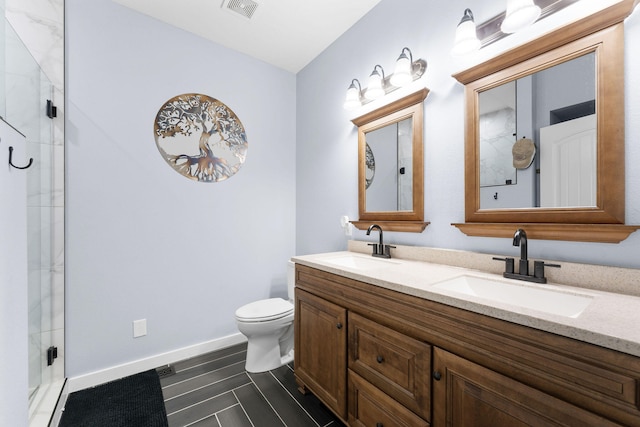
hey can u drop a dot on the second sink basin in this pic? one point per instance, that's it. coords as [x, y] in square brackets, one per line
[540, 299]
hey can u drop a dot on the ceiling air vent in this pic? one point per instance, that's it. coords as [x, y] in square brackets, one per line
[245, 8]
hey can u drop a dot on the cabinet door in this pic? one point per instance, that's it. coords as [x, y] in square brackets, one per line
[321, 350]
[469, 395]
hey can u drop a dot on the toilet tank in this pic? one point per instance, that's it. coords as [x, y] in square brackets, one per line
[291, 279]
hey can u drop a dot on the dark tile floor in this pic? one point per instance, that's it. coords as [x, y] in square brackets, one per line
[215, 390]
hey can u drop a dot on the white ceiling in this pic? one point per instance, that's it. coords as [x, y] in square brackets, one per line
[285, 33]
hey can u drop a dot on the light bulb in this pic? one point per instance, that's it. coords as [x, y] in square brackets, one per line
[402, 74]
[520, 14]
[352, 100]
[466, 37]
[374, 88]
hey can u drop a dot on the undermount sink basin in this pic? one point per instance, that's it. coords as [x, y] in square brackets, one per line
[525, 296]
[359, 262]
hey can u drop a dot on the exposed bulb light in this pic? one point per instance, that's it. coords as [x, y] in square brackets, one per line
[520, 14]
[466, 37]
[402, 75]
[375, 87]
[353, 98]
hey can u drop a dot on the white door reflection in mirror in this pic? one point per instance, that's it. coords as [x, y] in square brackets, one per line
[568, 163]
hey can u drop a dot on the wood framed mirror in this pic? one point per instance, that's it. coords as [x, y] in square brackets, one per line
[391, 166]
[525, 87]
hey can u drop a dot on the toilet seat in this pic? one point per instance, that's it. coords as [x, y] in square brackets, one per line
[264, 310]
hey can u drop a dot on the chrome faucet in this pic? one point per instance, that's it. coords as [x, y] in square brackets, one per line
[380, 249]
[520, 239]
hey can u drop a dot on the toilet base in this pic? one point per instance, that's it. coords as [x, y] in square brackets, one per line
[263, 356]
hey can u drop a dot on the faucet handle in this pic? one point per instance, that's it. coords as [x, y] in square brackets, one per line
[375, 248]
[386, 250]
[508, 264]
[538, 269]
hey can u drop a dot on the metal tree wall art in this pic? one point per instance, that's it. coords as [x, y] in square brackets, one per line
[200, 137]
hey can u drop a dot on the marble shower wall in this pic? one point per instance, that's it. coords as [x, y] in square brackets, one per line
[39, 24]
[497, 130]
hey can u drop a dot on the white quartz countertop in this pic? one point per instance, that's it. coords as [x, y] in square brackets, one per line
[610, 320]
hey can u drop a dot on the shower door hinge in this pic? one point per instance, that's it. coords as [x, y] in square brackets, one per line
[52, 110]
[52, 353]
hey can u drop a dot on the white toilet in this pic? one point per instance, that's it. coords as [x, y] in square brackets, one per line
[268, 326]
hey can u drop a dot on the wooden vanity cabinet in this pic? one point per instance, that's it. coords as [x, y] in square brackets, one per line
[444, 366]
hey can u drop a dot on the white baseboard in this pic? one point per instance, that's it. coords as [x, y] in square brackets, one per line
[93, 379]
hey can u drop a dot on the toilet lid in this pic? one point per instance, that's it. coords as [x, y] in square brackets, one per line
[263, 310]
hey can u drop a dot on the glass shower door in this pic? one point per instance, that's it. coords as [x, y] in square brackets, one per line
[25, 91]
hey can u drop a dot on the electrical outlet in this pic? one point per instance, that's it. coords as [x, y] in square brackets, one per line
[139, 328]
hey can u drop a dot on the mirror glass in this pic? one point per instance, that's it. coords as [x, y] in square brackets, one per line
[538, 139]
[389, 167]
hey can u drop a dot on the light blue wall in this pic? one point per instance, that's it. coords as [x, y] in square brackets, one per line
[327, 141]
[143, 241]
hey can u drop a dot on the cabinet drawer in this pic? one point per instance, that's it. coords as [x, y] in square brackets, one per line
[369, 406]
[395, 363]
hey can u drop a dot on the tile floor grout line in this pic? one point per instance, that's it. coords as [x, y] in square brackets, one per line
[210, 361]
[206, 373]
[198, 403]
[241, 406]
[214, 415]
[268, 401]
[292, 397]
[201, 387]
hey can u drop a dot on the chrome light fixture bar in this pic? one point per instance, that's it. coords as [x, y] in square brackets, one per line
[406, 71]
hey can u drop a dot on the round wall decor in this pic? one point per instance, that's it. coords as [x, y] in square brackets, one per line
[200, 137]
[370, 163]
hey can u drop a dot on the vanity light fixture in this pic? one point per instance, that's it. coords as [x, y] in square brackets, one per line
[520, 14]
[466, 37]
[406, 71]
[354, 96]
[375, 88]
